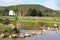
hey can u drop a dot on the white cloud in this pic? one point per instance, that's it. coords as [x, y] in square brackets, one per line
[51, 4]
[12, 2]
[7, 0]
[48, 3]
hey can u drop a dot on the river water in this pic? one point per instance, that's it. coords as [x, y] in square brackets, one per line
[51, 35]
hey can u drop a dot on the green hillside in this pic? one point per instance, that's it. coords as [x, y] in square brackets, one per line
[58, 12]
[30, 10]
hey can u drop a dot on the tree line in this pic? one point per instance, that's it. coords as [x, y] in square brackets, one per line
[32, 12]
[27, 11]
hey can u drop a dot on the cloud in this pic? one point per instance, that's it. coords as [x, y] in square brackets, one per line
[51, 4]
[10, 2]
[7, 0]
[14, 1]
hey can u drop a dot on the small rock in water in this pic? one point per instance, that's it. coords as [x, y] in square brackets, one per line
[33, 32]
[27, 34]
[14, 35]
[39, 32]
[21, 36]
[44, 31]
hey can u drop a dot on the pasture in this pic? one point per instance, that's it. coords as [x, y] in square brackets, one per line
[31, 23]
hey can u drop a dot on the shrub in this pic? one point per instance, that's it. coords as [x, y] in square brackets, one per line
[6, 21]
[1, 20]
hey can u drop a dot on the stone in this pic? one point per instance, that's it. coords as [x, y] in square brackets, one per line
[27, 34]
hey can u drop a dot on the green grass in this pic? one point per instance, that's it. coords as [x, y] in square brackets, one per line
[31, 23]
[38, 21]
[2, 39]
[4, 27]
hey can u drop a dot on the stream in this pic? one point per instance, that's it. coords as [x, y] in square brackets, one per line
[50, 35]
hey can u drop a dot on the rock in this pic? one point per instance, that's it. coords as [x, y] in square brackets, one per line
[44, 31]
[21, 36]
[14, 35]
[55, 25]
[12, 26]
[10, 36]
[27, 34]
[39, 32]
[2, 35]
[49, 28]
[33, 32]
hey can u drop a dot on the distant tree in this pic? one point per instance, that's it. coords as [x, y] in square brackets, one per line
[39, 13]
[1, 11]
[5, 11]
[14, 8]
[25, 13]
[33, 12]
[29, 11]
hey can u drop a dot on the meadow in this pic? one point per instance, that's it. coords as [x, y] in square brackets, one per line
[31, 23]
[28, 23]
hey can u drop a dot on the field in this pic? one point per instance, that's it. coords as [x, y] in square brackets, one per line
[29, 23]
[32, 23]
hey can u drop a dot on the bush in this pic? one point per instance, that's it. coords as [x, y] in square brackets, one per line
[1, 21]
[6, 21]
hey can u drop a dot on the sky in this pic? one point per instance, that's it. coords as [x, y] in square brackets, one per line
[53, 4]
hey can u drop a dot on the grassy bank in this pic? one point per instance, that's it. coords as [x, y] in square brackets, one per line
[31, 23]
[26, 23]
[2, 39]
[37, 23]
[4, 28]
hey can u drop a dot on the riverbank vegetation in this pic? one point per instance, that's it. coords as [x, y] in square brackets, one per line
[28, 24]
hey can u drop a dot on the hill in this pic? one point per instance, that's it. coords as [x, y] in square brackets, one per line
[30, 10]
